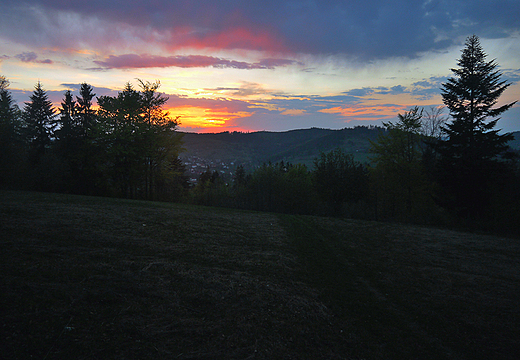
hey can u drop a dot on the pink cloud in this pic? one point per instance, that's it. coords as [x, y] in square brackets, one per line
[235, 38]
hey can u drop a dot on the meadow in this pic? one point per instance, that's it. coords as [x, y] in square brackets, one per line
[98, 278]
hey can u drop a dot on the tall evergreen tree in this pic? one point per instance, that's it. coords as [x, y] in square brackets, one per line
[8, 108]
[11, 144]
[39, 117]
[67, 120]
[86, 115]
[472, 146]
[66, 143]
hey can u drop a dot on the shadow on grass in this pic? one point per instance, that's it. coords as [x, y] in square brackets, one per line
[405, 292]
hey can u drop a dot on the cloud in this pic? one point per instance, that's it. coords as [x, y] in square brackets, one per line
[293, 112]
[133, 61]
[366, 112]
[512, 76]
[427, 88]
[31, 57]
[366, 30]
[218, 105]
[246, 89]
[381, 90]
[360, 92]
[97, 90]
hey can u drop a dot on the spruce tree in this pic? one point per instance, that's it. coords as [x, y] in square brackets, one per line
[471, 148]
[68, 118]
[86, 115]
[39, 118]
[11, 143]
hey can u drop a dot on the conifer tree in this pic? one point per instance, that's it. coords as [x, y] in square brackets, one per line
[86, 115]
[11, 144]
[68, 118]
[470, 152]
[39, 118]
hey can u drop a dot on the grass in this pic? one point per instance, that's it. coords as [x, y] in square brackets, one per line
[91, 278]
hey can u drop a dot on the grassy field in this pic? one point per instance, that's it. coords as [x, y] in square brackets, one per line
[93, 278]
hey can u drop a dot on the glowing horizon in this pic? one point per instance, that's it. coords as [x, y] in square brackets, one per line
[258, 65]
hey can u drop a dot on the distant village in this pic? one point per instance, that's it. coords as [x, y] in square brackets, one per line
[196, 166]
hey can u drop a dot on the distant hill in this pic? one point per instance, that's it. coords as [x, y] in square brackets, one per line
[515, 144]
[295, 146]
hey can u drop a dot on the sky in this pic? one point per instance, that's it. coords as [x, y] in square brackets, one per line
[259, 65]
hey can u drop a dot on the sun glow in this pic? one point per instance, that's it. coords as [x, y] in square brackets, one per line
[203, 118]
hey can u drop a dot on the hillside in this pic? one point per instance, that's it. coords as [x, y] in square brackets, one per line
[296, 146]
[89, 278]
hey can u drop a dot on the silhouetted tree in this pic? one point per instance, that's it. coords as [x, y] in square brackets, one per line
[67, 122]
[433, 121]
[339, 179]
[399, 183]
[239, 179]
[279, 187]
[11, 144]
[39, 117]
[141, 141]
[470, 153]
[85, 113]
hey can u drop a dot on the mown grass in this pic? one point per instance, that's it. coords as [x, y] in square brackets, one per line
[90, 278]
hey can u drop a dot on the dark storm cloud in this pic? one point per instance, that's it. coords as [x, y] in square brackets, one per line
[364, 29]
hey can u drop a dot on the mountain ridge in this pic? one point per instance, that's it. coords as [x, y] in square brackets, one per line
[294, 146]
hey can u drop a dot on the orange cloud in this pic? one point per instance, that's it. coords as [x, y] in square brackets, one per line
[366, 112]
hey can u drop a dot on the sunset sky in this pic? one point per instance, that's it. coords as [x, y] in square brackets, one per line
[259, 65]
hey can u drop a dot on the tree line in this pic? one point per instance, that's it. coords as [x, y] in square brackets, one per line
[128, 147]
[426, 167]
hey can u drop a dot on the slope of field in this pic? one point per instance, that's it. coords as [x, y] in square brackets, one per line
[90, 278]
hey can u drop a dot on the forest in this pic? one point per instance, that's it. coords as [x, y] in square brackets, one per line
[425, 167]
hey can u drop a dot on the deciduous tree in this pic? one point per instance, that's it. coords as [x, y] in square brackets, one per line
[142, 142]
[399, 184]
